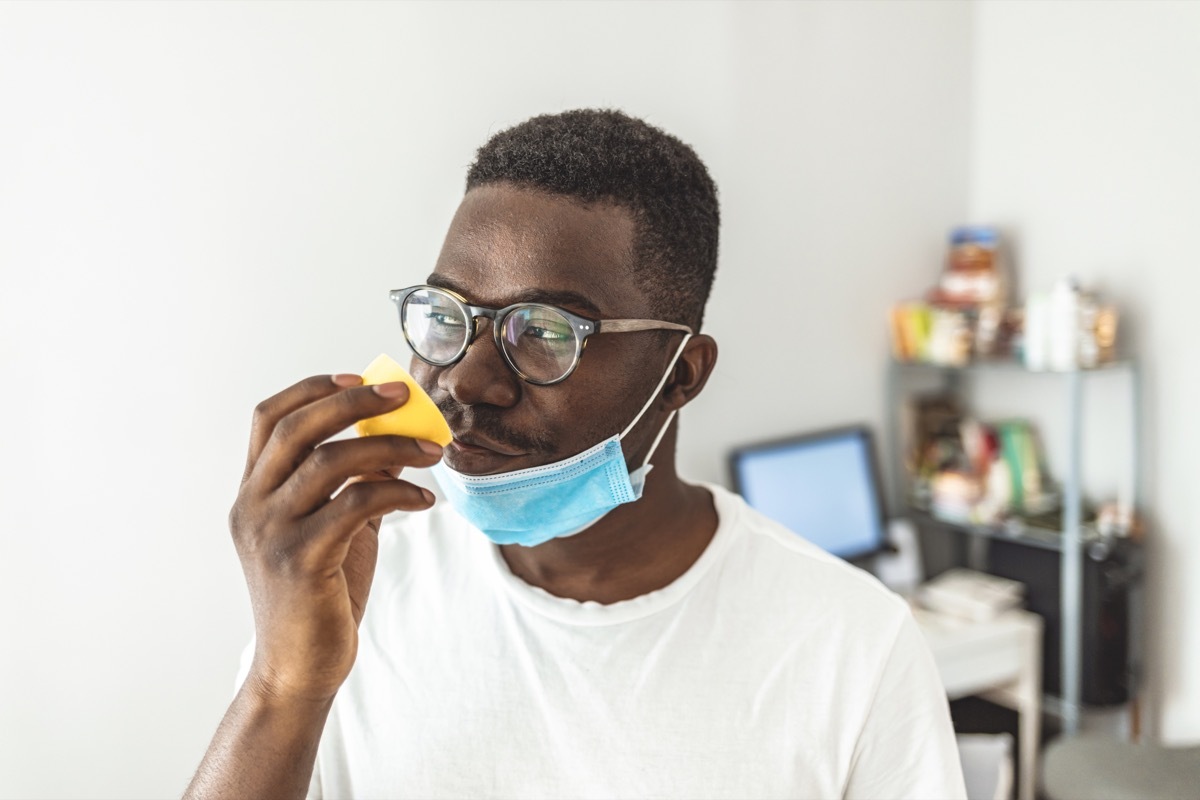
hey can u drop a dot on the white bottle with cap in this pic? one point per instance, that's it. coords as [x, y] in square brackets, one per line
[1064, 325]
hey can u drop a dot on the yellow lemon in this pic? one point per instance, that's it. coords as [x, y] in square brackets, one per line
[418, 417]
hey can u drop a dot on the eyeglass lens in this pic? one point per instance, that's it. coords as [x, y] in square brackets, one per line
[435, 325]
[538, 340]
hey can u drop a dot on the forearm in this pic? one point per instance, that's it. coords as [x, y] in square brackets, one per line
[265, 748]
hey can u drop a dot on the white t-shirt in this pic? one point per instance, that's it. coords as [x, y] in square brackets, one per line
[768, 669]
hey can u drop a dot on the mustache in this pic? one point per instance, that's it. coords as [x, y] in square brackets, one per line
[488, 423]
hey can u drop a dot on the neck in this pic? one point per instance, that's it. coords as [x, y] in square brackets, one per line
[634, 549]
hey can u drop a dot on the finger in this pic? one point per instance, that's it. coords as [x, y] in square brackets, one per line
[358, 565]
[268, 413]
[335, 523]
[298, 434]
[333, 463]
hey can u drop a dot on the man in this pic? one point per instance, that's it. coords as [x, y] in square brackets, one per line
[573, 620]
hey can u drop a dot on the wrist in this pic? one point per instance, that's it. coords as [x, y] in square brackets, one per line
[268, 689]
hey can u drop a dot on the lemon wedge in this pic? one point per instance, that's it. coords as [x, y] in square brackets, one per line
[418, 418]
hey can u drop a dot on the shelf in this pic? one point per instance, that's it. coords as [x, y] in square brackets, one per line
[1071, 536]
[1031, 535]
[1008, 364]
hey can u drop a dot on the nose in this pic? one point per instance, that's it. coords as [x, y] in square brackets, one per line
[481, 376]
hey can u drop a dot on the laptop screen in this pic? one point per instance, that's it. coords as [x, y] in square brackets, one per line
[823, 486]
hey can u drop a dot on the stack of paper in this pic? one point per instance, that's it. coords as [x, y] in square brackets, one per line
[971, 595]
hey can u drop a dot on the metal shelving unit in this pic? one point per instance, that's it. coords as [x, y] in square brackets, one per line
[1072, 538]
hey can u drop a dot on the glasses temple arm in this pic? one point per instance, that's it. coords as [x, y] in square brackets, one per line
[630, 325]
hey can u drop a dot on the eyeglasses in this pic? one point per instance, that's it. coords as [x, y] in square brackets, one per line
[541, 343]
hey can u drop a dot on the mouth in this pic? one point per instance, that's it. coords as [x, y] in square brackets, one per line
[477, 455]
[483, 444]
[474, 444]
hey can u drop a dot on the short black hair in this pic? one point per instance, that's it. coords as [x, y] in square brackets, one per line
[605, 155]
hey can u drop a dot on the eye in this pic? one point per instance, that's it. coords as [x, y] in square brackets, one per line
[445, 319]
[551, 334]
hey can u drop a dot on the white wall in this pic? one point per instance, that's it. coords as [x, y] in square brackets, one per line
[1086, 124]
[201, 203]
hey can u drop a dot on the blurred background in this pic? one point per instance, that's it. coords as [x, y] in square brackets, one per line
[201, 203]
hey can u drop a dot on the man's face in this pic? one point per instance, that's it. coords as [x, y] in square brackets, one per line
[508, 245]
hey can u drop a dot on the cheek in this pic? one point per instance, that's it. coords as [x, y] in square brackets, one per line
[620, 371]
[608, 395]
[425, 375]
[572, 420]
[577, 414]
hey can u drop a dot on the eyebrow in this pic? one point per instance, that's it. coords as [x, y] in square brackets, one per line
[564, 298]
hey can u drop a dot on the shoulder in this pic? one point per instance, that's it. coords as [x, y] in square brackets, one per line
[782, 570]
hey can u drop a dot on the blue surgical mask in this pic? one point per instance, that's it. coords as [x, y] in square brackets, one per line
[534, 505]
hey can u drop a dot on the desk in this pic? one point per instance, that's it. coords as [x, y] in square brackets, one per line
[999, 660]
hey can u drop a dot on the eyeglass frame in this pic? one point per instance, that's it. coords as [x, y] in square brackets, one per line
[582, 327]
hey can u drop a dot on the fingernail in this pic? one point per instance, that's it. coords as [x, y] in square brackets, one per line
[428, 495]
[346, 379]
[433, 448]
[391, 390]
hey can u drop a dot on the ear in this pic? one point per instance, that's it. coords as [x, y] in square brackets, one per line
[691, 372]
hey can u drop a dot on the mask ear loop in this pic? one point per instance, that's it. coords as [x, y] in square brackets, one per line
[653, 396]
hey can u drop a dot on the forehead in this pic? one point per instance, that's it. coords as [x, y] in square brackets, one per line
[508, 244]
